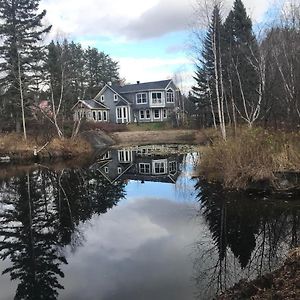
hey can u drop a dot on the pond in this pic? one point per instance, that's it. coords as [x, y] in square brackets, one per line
[134, 224]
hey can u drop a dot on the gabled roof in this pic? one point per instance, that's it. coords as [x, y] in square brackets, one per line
[92, 104]
[146, 86]
[114, 91]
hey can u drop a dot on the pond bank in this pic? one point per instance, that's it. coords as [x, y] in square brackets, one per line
[13, 149]
[175, 136]
[254, 159]
[283, 283]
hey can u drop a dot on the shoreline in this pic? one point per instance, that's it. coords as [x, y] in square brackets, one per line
[282, 283]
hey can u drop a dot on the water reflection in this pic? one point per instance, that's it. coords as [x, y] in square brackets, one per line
[143, 163]
[40, 213]
[250, 235]
[56, 223]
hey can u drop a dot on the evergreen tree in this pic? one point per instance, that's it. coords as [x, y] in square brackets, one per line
[21, 30]
[209, 69]
[240, 59]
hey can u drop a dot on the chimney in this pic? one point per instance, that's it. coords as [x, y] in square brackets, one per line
[138, 82]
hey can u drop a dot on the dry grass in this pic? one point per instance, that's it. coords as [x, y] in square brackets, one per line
[252, 155]
[14, 145]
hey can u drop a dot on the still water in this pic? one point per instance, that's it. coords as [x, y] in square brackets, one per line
[134, 224]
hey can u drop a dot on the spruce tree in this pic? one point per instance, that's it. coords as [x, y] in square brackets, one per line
[208, 69]
[239, 59]
[21, 31]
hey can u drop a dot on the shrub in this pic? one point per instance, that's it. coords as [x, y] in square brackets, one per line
[252, 155]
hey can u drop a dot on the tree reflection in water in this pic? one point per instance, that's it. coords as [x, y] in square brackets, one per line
[39, 215]
[249, 236]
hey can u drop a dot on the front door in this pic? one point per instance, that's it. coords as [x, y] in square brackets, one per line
[122, 114]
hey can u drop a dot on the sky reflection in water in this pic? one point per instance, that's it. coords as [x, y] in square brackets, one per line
[134, 239]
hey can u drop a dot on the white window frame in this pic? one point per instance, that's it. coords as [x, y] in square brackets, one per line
[102, 98]
[106, 170]
[140, 99]
[162, 163]
[173, 167]
[141, 114]
[116, 97]
[105, 115]
[165, 113]
[144, 168]
[119, 170]
[154, 100]
[156, 118]
[106, 156]
[99, 115]
[125, 156]
[147, 115]
[94, 115]
[170, 96]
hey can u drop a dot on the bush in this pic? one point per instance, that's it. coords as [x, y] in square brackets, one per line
[252, 155]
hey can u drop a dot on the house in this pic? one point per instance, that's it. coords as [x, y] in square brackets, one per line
[141, 163]
[141, 102]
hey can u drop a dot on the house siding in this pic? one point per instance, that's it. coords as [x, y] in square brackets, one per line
[112, 104]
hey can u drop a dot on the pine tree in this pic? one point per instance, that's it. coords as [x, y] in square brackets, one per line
[21, 30]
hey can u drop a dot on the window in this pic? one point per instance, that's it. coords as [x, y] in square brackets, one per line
[156, 114]
[106, 170]
[115, 97]
[141, 98]
[159, 167]
[156, 98]
[173, 167]
[99, 116]
[170, 96]
[147, 111]
[119, 170]
[165, 114]
[104, 116]
[142, 114]
[94, 116]
[106, 156]
[102, 98]
[144, 168]
[124, 156]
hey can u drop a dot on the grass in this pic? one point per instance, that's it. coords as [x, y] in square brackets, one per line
[153, 126]
[250, 156]
[13, 145]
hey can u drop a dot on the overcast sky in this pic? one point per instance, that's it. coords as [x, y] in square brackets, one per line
[149, 38]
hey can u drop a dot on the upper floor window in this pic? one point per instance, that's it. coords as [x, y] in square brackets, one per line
[144, 168]
[102, 98]
[170, 96]
[156, 97]
[141, 98]
[115, 97]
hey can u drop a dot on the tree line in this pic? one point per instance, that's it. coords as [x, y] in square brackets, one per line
[245, 78]
[32, 70]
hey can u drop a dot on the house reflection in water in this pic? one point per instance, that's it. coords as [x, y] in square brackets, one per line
[144, 163]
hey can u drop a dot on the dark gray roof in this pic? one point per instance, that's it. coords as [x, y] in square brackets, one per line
[132, 88]
[92, 104]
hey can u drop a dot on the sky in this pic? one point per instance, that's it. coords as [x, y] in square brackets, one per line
[150, 39]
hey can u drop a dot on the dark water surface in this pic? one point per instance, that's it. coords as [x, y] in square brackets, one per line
[134, 225]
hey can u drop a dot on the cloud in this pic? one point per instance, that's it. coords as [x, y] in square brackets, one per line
[147, 69]
[165, 17]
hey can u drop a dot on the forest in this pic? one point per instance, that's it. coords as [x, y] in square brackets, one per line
[247, 76]
[42, 79]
